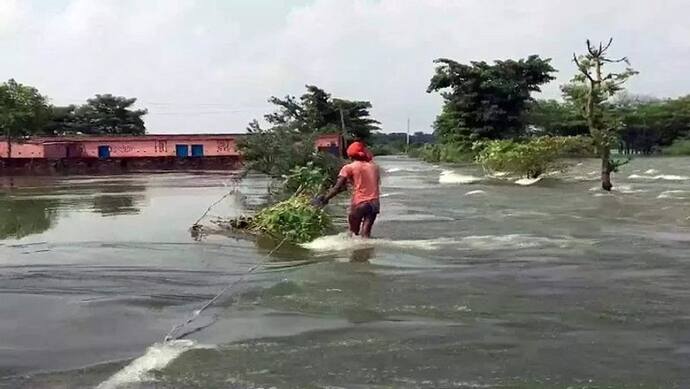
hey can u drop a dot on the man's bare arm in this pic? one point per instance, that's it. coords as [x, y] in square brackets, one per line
[340, 186]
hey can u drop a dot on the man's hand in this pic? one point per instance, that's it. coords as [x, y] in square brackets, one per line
[320, 201]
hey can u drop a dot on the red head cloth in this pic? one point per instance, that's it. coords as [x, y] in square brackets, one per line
[357, 150]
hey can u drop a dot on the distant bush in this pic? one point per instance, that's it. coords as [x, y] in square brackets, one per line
[384, 149]
[679, 147]
[531, 158]
[448, 152]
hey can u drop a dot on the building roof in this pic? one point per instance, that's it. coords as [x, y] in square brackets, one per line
[125, 138]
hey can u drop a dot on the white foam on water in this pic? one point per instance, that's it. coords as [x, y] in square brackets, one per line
[528, 181]
[666, 177]
[404, 169]
[157, 357]
[414, 217]
[673, 194]
[475, 192]
[627, 189]
[515, 241]
[451, 177]
[384, 195]
[344, 242]
[651, 171]
[584, 178]
[499, 174]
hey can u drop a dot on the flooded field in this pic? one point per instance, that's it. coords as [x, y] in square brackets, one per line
[471, 282]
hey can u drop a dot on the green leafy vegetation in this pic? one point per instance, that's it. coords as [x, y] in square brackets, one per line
[25, 112]
[288, 141]
[591, 91]
[102, 115]
[306, 180]
[482, 102]
[317, 112]
[680, 147]
[443, 152]
[285, 150]
[486, 101]
[294, 219]
[531, 158]
[396, 142]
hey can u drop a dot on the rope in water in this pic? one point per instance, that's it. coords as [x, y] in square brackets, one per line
[195, 314]
[232, 192]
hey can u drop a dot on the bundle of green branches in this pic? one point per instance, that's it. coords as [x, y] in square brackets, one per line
[295, 218]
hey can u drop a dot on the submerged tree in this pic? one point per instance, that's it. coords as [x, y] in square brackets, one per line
[486, 101]
[591, 90]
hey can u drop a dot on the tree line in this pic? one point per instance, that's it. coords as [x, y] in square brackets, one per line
[485, 102]
[481, 102]
[25, 112]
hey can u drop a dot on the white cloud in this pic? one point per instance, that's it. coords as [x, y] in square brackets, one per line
[210, 66]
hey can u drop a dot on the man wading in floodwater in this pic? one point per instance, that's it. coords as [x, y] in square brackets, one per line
[364, 176]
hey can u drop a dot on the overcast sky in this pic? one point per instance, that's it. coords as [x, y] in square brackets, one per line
[210, 65]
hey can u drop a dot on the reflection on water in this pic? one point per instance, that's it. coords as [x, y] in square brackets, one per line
[31, 205]
[109, 205]
[362, 255]
[23, 217]
[468, 283]
[120, 200]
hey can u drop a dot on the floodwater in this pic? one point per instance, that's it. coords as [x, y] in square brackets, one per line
[472, 282]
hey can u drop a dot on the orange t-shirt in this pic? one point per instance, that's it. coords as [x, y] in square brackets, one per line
[365, 180]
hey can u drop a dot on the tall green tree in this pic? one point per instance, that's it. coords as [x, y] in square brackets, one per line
[108, 115]
[591, 90]
[23, 112]
[317, 112]
[356, 118]
[486, 101]
[62, 120]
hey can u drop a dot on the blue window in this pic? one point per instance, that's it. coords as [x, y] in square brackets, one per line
[197, 150]
[104, 152]
[182, 151]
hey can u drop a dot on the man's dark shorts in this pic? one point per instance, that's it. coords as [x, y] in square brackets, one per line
[364, 211]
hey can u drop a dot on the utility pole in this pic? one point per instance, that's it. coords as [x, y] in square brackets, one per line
[342, 124]
[408, 134]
